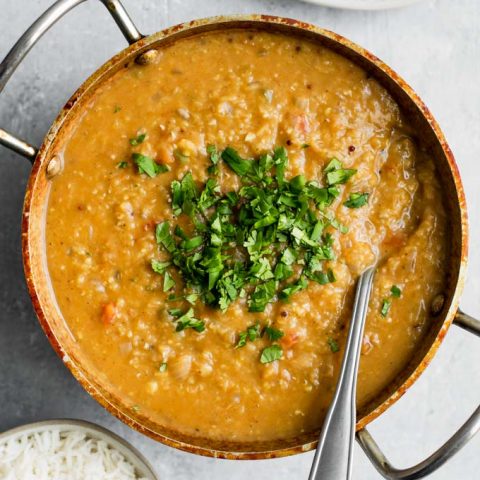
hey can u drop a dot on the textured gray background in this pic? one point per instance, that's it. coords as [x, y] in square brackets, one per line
[434, 45]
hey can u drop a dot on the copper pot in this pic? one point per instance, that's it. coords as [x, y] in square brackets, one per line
[46, 164]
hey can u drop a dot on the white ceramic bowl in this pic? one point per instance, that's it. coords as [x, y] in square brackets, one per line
[132, 455]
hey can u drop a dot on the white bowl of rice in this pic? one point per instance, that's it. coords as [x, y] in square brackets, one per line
[69, 450]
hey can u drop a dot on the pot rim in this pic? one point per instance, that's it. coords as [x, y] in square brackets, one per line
[235, 21]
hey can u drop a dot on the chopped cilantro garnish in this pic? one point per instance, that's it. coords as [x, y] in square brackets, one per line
[116, 108]
[188, 320]
[213, 154]
[123, 164]
[159, 267]
[271, 353]
[184, 195]
[295, 287]
[251, 333]
[289, 256]
[395, 291]
[357, 200]
[386, 304]
[336, 174]
[238, 164]
[263, 242]
[297, 184]
[148, 165]
[333, 344]
[163, 236]
[175, 312]
[191, 243]
[242, 340]
[322, 277]
[168, 282]
[273, 333]
[262, 295]
[138, 139]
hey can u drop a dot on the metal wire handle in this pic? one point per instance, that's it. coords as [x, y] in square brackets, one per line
[445, 452]
[31, 36]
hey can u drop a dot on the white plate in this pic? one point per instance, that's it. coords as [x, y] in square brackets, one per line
[363, 4]
[140, 463]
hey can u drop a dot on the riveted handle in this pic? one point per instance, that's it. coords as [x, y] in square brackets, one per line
[445, 452]
[31, 36]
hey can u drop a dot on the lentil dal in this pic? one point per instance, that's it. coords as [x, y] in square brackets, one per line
[253, 91]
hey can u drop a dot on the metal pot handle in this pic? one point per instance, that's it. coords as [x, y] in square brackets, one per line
[31, 36]
[445, 452]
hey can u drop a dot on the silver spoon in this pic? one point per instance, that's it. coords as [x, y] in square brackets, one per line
[333, 459]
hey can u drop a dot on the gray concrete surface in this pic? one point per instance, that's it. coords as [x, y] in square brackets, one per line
[435, 45]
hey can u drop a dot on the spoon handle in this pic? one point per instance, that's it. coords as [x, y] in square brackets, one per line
[333, 457]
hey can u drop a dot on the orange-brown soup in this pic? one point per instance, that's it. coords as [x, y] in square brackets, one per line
[253, 92]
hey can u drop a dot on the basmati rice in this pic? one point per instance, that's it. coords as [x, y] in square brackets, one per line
[62, 455]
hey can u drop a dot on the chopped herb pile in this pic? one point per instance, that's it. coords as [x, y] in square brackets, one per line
[265, 241]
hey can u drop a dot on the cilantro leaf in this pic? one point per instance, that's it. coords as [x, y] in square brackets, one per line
[184, 195]
[280, 159]
[163, 236]
[357, 200]
[322, 277]
[188, 320]
[273, 333]
[295, 287]
[262, 295]
[395, 291]
[168, 282]
[238, 164]
[138, 139]
[386, 304]
[336, 174]
[148, 165]
[213, 154]
[158, 266]
[251, 334]
[242, 340]
[192, 243]
[271, 353]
